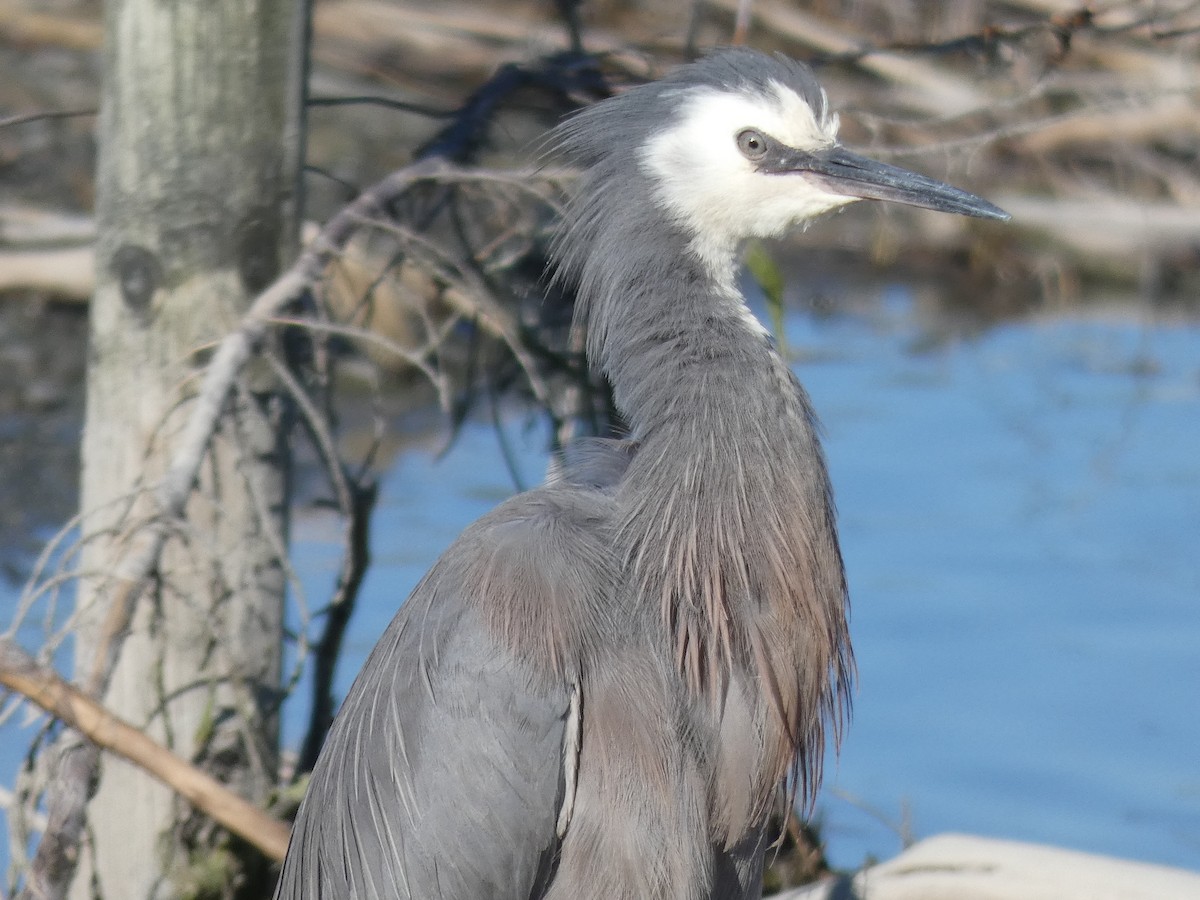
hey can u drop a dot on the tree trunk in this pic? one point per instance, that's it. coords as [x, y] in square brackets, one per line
[200, 146]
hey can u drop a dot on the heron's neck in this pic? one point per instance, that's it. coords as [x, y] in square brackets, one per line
[726, 519]
[677, 341]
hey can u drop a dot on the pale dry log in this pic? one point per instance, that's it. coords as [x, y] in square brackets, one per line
[1169, 114]
[67, 273]
[46, 251]
[1114, 226]
[361, 290]
[32, 226]
[967, 867]
[20, 672]
[22, 23]
[349, 33]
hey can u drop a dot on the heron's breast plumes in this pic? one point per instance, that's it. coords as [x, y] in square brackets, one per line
[727, 523]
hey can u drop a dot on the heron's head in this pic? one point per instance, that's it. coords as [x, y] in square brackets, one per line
[741, 144]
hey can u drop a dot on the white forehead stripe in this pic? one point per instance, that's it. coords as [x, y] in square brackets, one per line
[801, 125]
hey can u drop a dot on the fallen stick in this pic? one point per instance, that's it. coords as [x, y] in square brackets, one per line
[21, 673]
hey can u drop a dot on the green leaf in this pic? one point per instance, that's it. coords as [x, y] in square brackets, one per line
[769, 279]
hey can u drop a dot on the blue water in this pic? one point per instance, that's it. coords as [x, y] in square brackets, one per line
[1021, 524]
[1020, 517]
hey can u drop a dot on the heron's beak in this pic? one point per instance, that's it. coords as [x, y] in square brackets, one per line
[839, 171]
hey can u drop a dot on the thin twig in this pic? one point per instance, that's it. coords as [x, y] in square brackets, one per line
[327, 650]
[386, 102]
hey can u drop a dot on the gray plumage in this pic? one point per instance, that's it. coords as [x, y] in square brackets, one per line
[600, 687]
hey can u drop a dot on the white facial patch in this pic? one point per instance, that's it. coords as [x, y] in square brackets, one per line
[715, 192]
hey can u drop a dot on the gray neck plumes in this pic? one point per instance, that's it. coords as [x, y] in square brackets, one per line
[726, 518]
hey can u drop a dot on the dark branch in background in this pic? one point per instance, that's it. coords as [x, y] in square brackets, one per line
[351, 189]
[569, 11]
[26, 118]
[328, 649]
[572, 78]
[355, 501]
[386, 102]
[691, 38]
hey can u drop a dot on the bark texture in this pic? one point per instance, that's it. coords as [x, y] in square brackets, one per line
[196, 211]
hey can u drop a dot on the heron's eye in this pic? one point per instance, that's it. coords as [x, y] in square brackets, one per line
[752, 144]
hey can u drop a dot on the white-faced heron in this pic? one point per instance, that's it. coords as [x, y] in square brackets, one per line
[599, 688]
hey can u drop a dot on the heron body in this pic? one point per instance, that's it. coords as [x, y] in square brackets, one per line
[599, 688]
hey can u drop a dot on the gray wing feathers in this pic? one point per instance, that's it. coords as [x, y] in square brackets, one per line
[442, 776]
[519, 733]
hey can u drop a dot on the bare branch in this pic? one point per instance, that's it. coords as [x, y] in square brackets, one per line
[21, 672]
[328, 647]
